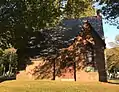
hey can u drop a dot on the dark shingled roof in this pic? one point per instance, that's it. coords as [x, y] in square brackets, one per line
[68, 30]
[74, 26]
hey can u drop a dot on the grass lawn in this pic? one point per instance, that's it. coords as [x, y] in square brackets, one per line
[57, 86]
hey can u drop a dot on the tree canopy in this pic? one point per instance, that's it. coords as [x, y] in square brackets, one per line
[110, 8]
[20, 18]
[112, 56]
[78, 8]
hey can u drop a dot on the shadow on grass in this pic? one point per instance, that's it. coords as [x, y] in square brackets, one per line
[113, 82]
[6, 78]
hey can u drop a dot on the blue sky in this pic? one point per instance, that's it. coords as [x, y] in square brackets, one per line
[110, 31]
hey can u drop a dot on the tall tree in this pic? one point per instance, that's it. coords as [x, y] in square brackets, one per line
[78, 8]
[20, 19]
[112, 56]
[110, 8]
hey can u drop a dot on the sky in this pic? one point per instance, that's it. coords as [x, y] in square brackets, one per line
[110, 31]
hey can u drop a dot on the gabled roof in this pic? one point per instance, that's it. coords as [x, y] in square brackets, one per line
[74, 26]
[64, 35]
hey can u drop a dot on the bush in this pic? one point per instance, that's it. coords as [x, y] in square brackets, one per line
[89, 69]
[8, 62]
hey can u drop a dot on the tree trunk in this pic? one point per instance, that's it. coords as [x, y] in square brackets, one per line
[53, 69]
[74, 71]
[10, 70]
[21, 59]
[4, 70]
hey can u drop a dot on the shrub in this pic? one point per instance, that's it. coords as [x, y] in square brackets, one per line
[8, 62]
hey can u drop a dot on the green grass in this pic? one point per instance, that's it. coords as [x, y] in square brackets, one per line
[57, 86]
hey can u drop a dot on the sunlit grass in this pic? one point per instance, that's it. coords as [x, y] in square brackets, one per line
[57, 86]
[114, 81]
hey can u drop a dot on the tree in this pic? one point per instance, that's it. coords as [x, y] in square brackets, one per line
[21, 19]
[110, 10]
[78, 8]
[112, 56]
[28, 16]
[8, 62]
